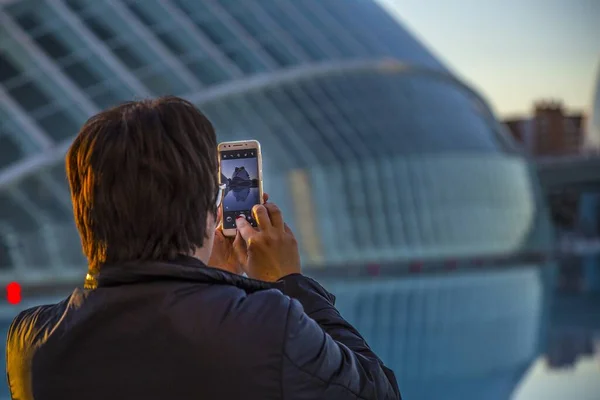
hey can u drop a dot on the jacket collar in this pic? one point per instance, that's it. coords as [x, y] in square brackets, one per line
[184, 268]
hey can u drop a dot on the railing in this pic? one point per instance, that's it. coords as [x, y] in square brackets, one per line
[568, 158]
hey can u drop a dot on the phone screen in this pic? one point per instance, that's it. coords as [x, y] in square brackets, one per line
[239, 173]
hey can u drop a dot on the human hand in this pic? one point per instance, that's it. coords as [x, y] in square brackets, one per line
[225, 249]
[271, 251]
[223, 256]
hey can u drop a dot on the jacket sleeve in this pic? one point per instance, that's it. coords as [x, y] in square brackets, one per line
[324, 356]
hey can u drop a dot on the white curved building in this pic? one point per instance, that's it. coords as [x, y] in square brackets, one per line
[373, 150]
[593, 126]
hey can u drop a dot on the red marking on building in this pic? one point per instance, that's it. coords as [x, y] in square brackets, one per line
[13, 293]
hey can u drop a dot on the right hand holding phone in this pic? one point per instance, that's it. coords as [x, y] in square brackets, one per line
[271, 251]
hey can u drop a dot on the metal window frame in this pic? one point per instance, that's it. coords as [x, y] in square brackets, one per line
[45, 64]
[157, 47]
[370, 37]
[303, 152]
[30, 127]
[257, 82]
[214, 53]
[337, 29]
[240, 33]
[319, 39]
[278, 34]
[39, 215]
[9, 235]
[103, 53]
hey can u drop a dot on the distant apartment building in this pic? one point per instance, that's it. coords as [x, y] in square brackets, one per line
[551, 130]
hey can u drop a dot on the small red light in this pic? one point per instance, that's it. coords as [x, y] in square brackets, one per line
[13, 293]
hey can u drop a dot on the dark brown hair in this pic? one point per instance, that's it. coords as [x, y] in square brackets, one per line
[143, 179]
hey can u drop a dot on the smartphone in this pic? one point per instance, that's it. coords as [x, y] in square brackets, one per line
[240, 169]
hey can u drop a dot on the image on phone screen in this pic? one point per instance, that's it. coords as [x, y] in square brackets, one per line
[239, 173]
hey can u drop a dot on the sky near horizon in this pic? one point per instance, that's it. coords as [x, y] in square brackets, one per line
[514, 52]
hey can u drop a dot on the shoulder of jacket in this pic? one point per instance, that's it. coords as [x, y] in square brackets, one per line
[265, 311]
[28, 323]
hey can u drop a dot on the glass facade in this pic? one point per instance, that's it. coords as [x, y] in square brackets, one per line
[374, 152]
[308, 79]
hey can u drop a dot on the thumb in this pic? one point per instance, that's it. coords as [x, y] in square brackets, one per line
[244, 228]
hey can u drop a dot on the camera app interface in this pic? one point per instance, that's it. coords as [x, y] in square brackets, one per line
[239, 173]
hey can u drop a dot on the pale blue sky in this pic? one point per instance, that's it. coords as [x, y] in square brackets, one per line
[513, 51]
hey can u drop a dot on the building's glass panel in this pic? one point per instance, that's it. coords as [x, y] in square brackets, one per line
[59, 125]
[76, 61]
[303, 111]
[39, 240]
[358, 207]
[78, 6]
[405, 103]
[32, 85]
[42, 197]
[227, 128]
[11, 148]
[400, 42]
[262, 30]
[349, 14]
[337, 224]
[17, 135]
[6, 261]
[68, 246]
[298, 28]
[206, 70]
[116, 33]
[274, 142]
[221, 36]
[13, 215]
[290, 149]
[30, 96]
[177, 41]
[8, 70]
[59, 176]
[52, 46]
[328, 116]
[318, 17]
[344, 95]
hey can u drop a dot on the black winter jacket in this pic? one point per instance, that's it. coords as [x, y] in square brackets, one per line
[180, 330]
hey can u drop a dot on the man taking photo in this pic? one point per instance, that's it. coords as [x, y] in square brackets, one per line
[154, 321]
